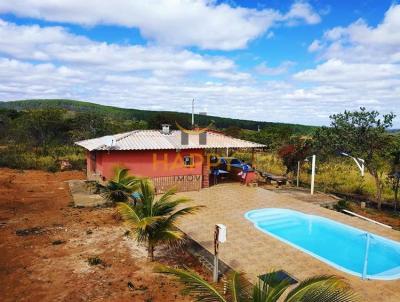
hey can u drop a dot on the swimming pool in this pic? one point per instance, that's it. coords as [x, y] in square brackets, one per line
[344, 247]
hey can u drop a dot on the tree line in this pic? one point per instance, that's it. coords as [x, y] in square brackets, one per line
[39, 138]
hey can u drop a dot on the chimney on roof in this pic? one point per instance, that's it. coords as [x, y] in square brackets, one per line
[165, 129]
[184, 138]
[203, 138]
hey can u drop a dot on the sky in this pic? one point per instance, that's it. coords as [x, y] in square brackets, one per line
[284, 61]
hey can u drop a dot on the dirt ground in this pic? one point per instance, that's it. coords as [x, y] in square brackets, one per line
[45, 245]
[386, 217]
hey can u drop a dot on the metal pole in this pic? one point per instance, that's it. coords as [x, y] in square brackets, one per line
[359, 162]
[313, 174]
[362, 167]
[298, 173]
[193, 112]
[364, 274]
[216, 245]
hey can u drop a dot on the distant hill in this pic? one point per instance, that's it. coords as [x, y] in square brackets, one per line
[147, 115]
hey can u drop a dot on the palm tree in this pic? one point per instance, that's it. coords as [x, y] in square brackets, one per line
[270, 289]
[154, 221]
[120, 187]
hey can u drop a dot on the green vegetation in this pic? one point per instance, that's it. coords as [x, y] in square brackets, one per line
[44, 138]
[120, 188]
[362, 134]
[270, 289]
[152, 221]
[338, 175]
[153, 118]
[40, 134]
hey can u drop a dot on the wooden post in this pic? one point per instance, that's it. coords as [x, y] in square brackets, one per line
[298, 174]
[313, 174]
[216, 246]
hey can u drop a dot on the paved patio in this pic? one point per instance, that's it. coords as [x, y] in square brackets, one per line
[248, 249]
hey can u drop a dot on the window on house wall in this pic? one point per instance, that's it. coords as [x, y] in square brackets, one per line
[188, 161]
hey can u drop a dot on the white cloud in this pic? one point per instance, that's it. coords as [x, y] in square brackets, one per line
[360, 65]
[32, 42]
[202, 23]
[360, 42]
[302, 11]
[359, 54]
[51, 62]
[337, 71]
[231, 76]
[314, 46]
[269, 100]
[272, 71]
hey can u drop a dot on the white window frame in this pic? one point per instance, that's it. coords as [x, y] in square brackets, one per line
[191, 161]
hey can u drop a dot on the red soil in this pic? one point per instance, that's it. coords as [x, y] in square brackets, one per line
[34, 267]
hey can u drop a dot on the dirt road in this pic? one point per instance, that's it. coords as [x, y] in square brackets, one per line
[45, 247]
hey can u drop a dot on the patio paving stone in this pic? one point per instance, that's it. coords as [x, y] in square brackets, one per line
[254, 252]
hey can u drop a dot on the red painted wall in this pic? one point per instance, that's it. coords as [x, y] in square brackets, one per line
[145, 163]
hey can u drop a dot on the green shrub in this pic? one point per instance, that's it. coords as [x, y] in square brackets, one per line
[22, 158]
[94, 260]
[342, 205]
[78, 162]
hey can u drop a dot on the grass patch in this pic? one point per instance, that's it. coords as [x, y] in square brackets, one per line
[337, 176]
[23, 158]
[92, 261]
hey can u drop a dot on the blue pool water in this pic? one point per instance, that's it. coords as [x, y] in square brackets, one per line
[341, 246]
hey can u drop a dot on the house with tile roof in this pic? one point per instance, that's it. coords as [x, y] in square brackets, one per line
[169, 157]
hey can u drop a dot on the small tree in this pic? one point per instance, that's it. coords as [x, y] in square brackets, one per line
[297, 150]
[120, 187]
[361, 134]
[154, 221]
[271, 289]
[41, 128]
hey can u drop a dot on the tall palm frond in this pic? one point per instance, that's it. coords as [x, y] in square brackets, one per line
[270, 289]
[238, 288]
[172, 219]
[322, 288]
[194, 284]
[135, 221]
[147, 195]
[166, 197]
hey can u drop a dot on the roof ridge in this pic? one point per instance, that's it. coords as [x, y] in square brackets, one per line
[126, 135]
